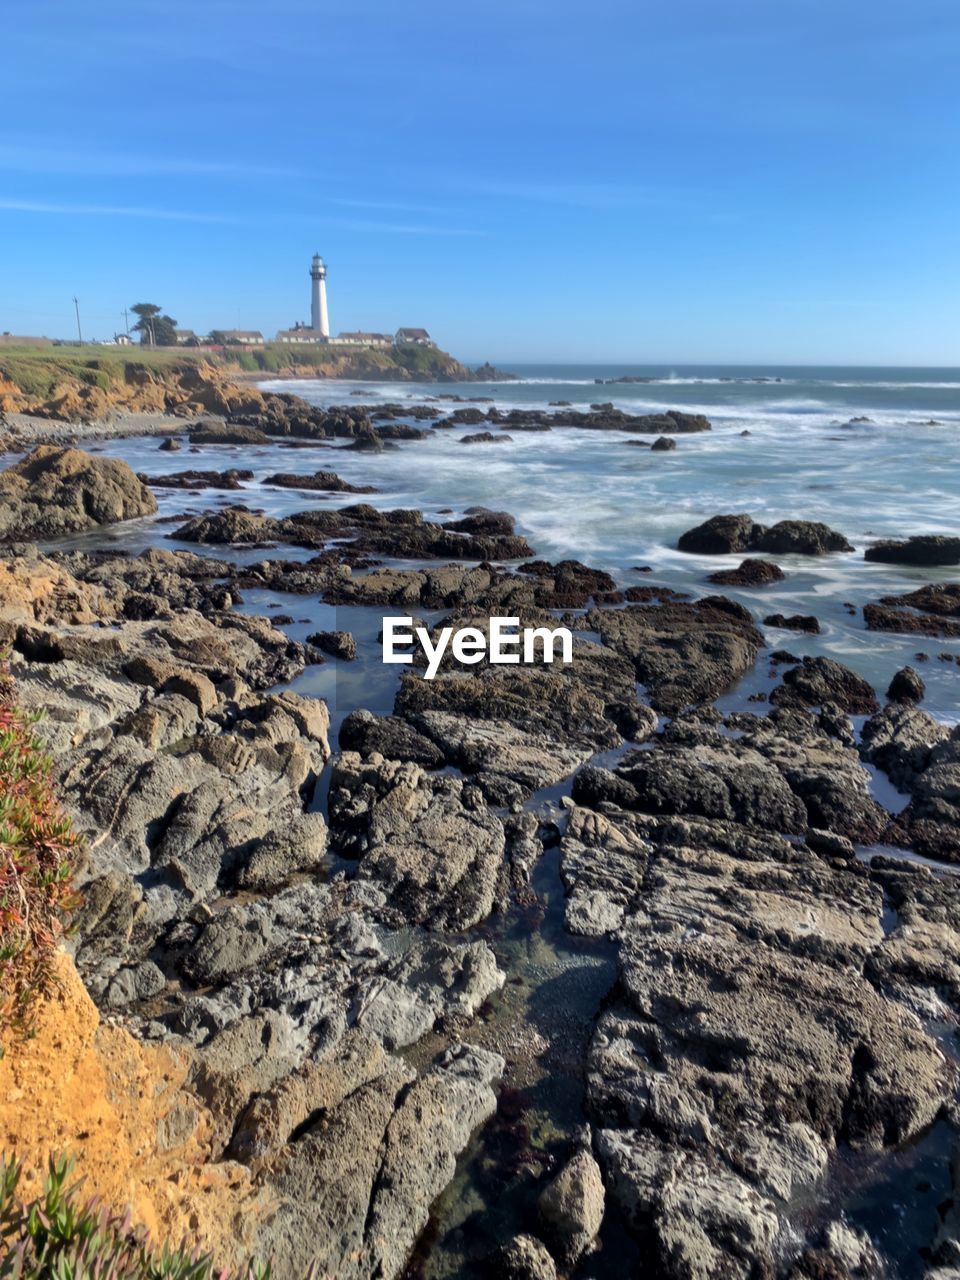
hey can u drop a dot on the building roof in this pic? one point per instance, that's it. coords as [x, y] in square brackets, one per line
[240, 333]
[301, 331]
[184, 333]
[360, 336]
[412, 333]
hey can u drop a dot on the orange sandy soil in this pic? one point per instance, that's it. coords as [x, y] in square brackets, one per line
[141, 1139]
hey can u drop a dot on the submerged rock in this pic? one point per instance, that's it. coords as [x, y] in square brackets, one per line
[571, 1208]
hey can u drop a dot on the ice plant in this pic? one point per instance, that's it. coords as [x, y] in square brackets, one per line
[38, 849]
[58, 1237]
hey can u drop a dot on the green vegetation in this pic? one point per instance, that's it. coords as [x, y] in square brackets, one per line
[37, 371]
[38, 849]
[156, 329]
[56, 1237]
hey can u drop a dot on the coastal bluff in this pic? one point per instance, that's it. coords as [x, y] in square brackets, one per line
[87, 384]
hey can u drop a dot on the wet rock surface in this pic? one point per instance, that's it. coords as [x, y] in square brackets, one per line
[724, 534]
[330, 927]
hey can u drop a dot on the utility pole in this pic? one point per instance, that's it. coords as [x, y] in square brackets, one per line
[126, 323]
[76, 304]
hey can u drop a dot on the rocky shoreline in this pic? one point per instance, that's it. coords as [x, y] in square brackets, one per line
[326, 924]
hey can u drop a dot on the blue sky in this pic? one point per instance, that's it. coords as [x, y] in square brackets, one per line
[683, 181]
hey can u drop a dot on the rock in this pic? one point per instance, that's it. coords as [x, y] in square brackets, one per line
[703, 1222]
[170, 445]
[55, 491]
[663, 444]
[724, 781]
[434, 979]
[720, 535]
[326, 481]
[795, 622]
[750, 573]
[801, 537]
[231, 944]
[390, 736]
[906, 686]
[931, 821]
[814, 682]
[428, 841]
[233, 525]
[198, 479]
[339, 644]
[683, 653]
[142, 982]
[221, 433]
[298, 847]
[486, 437]
[524, 1258]
[195, 687]
[571, 1208]
[400, 533]
[367, 440]
[925, 549]
[354, 1190]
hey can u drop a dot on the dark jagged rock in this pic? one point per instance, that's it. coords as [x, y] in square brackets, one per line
[725, 534]
[720, 535]
[486, 437]
[817, 682]
[325, 481]
[750, 573]
[663, 444]
[794, 622]
[932, 610]
[931, 822]
[339, 644]
[881, 617]
[900, 740]
[393, 737]
[170, 445]
[222, 433]
[925, 549]
[801, 537]
[683, 653]
[906, 686]
[401, 533]
[198, 479]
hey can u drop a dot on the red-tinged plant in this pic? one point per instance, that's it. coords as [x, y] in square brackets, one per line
[38, 851]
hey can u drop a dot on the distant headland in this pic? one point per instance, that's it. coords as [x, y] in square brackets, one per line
[303, 351]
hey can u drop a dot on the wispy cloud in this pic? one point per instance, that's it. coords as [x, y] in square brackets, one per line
[56, 161]
[400, 228]
[12, 205]
[589, 195]
[399, 206]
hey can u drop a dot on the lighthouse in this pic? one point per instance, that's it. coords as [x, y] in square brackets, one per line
[318, 297]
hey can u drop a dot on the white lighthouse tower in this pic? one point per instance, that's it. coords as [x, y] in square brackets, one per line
[318, 297]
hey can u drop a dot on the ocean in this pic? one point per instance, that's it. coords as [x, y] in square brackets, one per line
[871, 452]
